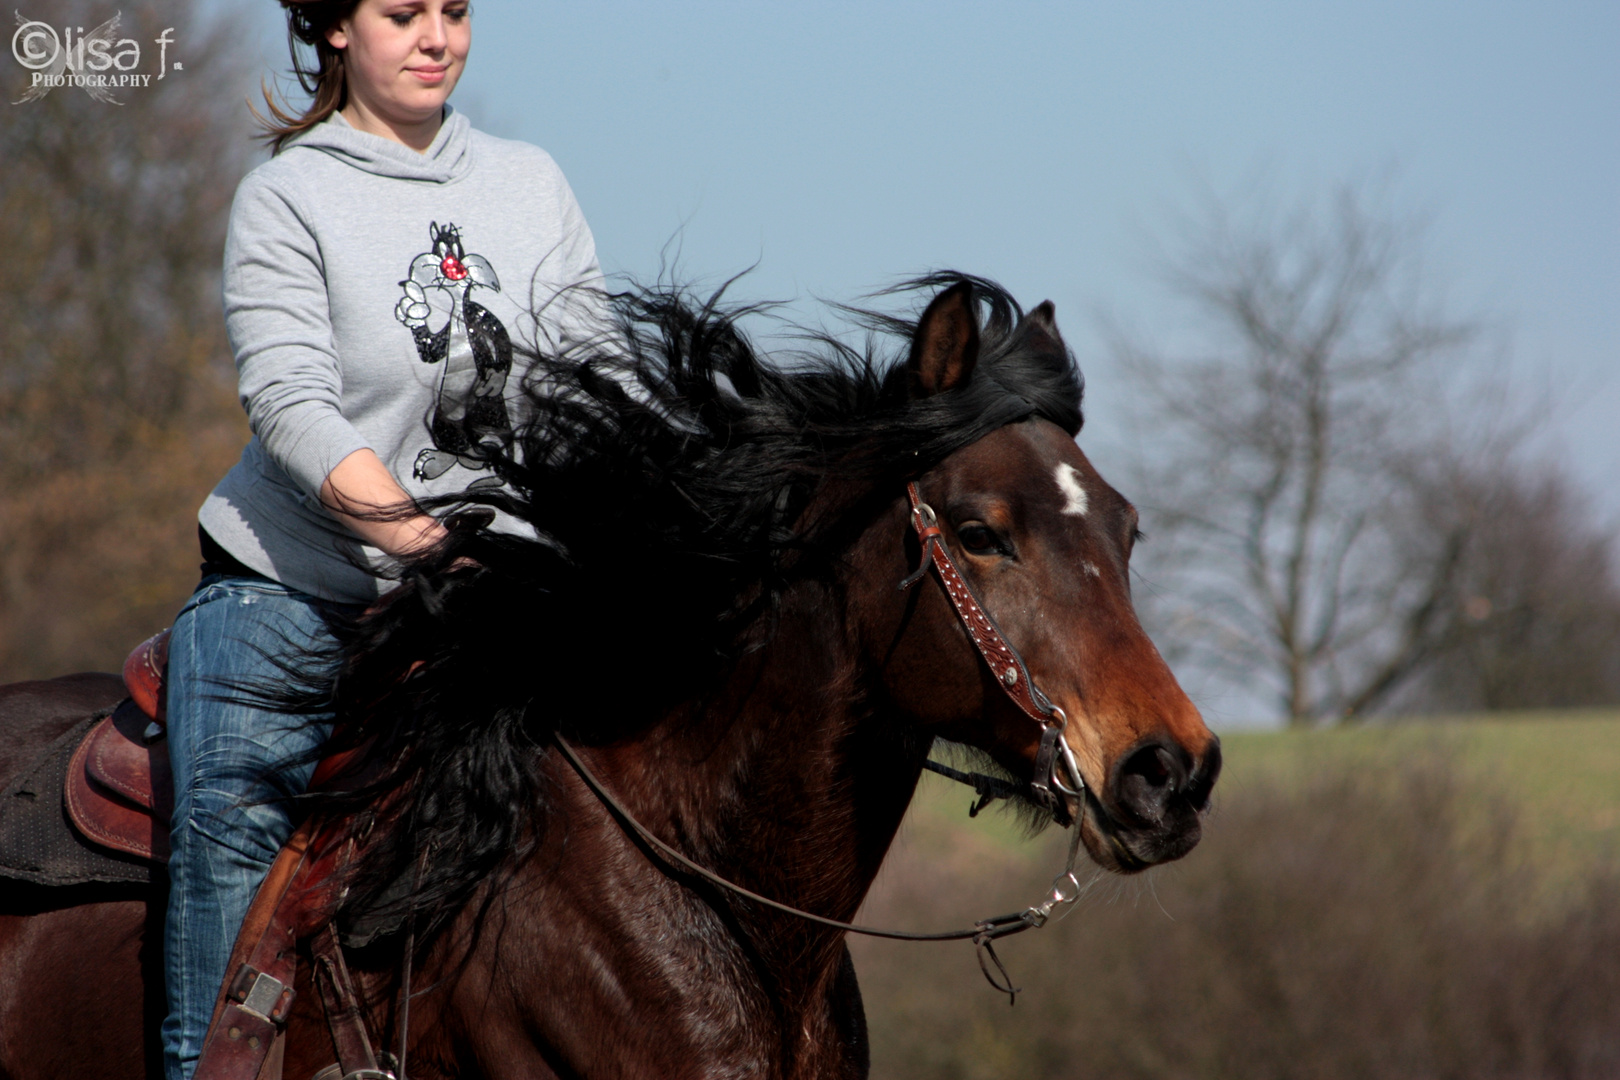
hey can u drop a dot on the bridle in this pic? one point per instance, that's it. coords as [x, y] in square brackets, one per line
[1006, 666]
[1055, 784]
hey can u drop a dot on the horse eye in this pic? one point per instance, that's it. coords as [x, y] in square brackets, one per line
[978, 539]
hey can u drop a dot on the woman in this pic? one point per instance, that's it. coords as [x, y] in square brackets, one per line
[377, 270]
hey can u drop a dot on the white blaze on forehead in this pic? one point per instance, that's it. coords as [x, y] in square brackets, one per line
[1074, 492]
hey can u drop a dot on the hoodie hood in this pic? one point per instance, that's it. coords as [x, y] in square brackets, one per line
[447, 158]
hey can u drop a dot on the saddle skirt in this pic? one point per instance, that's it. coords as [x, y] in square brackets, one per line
[120, 789]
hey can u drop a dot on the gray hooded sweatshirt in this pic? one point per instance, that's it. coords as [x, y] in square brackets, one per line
[374, 297]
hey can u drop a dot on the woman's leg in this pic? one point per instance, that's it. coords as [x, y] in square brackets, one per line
[232, 763]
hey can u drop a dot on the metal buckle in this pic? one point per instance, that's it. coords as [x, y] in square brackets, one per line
[263, 997]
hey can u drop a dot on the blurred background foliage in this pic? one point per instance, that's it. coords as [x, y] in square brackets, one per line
[1424, 901]
[117, 395]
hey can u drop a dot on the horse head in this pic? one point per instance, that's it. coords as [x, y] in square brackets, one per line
[1044, 544]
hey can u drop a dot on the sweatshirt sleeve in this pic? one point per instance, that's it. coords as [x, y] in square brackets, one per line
[579, 311]
[278, 316]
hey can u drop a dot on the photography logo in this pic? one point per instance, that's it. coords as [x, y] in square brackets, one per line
[97, 62]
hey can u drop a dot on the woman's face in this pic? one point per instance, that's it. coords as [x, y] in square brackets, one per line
[403, 57]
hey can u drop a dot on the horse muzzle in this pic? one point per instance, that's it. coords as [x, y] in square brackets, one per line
[1152, 809]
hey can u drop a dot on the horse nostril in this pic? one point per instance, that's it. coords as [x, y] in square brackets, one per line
[1148, 780]
[1202, 780]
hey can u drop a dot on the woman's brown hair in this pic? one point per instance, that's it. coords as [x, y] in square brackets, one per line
[308, 22]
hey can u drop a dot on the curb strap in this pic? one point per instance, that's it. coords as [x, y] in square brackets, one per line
[987, 788]
[1005, 663]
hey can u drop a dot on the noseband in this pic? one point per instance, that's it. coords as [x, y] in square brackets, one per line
[1012, 675]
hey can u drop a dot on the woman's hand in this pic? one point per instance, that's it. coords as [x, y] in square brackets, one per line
[362, 493]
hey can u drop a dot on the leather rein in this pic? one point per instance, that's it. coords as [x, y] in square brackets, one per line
[1056, 782]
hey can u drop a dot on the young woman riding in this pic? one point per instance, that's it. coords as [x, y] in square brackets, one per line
[377, 270]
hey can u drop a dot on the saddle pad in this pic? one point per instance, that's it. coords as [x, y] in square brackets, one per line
[38, 844]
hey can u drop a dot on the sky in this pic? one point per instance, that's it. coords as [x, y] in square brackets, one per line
[836, 147]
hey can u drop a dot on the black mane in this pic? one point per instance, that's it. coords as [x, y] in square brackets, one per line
[678, 482]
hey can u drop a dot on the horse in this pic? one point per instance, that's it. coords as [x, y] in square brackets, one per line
[706, 608]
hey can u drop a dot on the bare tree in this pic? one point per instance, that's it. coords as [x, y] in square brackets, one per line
[1293, 456]
[116, 402]
[1538, 595]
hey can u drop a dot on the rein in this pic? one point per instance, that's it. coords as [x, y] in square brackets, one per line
[1053, 760]
[1065, 889]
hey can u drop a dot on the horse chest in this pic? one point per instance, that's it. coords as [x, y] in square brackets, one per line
[665, 985]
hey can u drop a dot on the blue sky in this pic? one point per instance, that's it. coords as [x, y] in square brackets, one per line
[843, 145]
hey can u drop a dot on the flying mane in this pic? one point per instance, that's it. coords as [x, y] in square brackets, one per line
[676, 482]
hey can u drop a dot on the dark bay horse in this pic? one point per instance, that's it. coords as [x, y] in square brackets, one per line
[712, 615]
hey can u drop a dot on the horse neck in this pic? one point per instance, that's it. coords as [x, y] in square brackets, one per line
[790, 781]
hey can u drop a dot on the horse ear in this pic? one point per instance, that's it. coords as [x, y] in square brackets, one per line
[1040, 327]
[946, 345]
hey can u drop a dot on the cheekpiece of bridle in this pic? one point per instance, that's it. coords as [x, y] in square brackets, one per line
[1056, 781]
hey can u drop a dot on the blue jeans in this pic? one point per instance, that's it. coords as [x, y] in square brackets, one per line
[234, 767]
